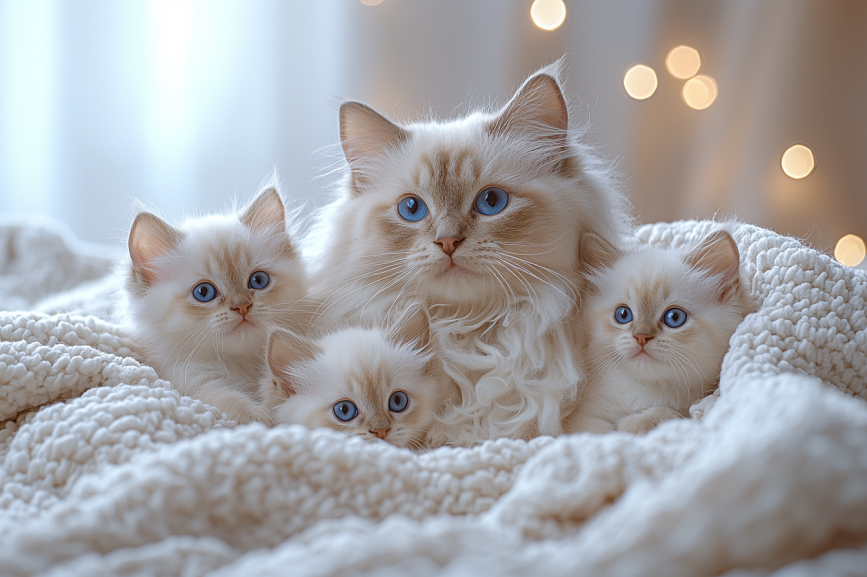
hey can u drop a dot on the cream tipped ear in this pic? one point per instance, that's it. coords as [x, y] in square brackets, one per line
[266, 211]
[717, 255]
[366, 134]
[413, 327]
[149, 239]
[538, 109]
[597, 253]
[285, 349]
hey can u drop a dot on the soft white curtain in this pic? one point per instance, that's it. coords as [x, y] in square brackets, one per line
[187, 105]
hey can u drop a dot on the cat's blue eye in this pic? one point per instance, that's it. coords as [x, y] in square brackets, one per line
[204, 292]
[259, 280]
[623, 315]
[411, 208]
[491, 201]
[398, 402]
[674, 317]
[345, 410]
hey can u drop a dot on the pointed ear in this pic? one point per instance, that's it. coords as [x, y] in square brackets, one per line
[597, 253]
[366, 134]
[717, 255]
[149, 239]
[285, 349]
[538, 109]
[413, 327]
[266, 211]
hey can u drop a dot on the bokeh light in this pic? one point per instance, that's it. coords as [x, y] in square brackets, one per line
[371, 2]
[640, 82]
[850, 250]
[700, 91]
[548, 14]
[683, 62]
[798, 161]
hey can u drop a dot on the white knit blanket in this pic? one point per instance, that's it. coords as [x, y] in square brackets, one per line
[106, 470]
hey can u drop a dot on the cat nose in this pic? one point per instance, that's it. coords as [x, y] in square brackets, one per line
[380, 433]
[642, 339]
[449, 244]
[242, 308]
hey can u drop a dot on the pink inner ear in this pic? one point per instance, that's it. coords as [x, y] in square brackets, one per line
[266, 211]
[150, 238]
[538, 108]
[717, 255]
[365, 134]
[284, 350]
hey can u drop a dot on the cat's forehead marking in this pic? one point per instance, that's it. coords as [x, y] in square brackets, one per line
[447, 173]
[228, 258]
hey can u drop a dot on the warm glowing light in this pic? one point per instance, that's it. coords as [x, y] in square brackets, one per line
[371, 2]
[700, 91]
[850, 250]
[548, 14]
[640, 82]
[683, 62]
[798, 162]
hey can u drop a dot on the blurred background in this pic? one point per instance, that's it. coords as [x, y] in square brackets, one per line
[754, 108]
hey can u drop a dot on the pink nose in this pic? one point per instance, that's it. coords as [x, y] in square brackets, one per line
[380, 433]
[642, 339]
[242, 308]
[449, 244]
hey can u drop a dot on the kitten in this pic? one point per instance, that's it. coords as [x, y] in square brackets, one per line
[658, 325]
[371, 382]
[480, 218]
[203, 297]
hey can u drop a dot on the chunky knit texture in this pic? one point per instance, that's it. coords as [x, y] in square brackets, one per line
[106, 470]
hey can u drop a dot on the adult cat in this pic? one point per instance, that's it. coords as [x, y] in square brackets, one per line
[480, 218]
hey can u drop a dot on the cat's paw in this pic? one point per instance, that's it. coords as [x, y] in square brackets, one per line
[646, 420]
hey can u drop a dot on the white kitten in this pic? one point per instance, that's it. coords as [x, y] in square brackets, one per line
[372, 382]
[658, 324]
[202, 299]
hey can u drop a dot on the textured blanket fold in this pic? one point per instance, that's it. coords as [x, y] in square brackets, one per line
[106, 470]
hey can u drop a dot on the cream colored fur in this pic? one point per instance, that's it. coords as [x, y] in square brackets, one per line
[504, 319]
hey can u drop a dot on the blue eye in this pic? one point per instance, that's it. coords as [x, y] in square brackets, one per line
[411, 208]
[259, 280]
[205, 292]
[345, 410]
[674, 317]
[623, 315]
[398, 402]
[491, 201]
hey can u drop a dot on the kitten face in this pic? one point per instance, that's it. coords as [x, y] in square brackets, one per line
[484, 209]
[664, 316]
[360, 381]
[216, 286]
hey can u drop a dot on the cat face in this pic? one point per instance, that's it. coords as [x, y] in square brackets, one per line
[664, 315]
[361, 381]
[484, 209]
[217, 285]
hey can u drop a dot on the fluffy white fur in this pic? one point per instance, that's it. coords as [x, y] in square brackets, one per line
[504, 305]
[209, 350]
[643, 372]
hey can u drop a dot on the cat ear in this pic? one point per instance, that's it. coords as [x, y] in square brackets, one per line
[366, 134]
[413, 327]
[149, 239]
[597, 253]
[266, 212]
[285, 349]
[717, 255]
[538, 110]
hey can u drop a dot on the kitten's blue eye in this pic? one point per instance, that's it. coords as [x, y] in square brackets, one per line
[345, 410]
[398, 402]
[674, 317]
[411, 208]
[623, 315]
[491, 201]
[259, 280]
[205, 292]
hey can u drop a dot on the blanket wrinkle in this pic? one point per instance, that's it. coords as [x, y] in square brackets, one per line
[106, 470]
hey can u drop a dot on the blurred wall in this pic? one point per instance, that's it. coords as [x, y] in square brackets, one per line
[187, 105]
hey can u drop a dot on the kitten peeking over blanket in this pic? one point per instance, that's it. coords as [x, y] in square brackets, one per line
[202, 299]
[658, 324]
[372, 382]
